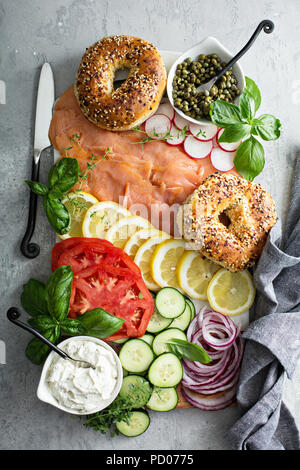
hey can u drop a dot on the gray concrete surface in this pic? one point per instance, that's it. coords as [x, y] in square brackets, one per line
[59, 31]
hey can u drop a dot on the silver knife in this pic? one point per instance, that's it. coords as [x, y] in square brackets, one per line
[43, 115]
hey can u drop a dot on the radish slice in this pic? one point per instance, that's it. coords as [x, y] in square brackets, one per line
[167, 109]
[180, 122]
[222, 160]
[196, 148]
[227, 146]
[157, 126]
[203, 132]
[176, 136]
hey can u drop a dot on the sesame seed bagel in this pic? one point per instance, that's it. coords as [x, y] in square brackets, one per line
[136, 99]
[250, 213]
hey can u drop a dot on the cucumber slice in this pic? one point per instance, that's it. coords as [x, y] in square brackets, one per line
[148, 339]
[169, 302]
[183, 321]
[120, 341]
[136, 355]
[137, 389]
[125, 372]
[160, 341]
[137, 424]
[165, 371]
[192, 307]
[158, 323]
[163, 399]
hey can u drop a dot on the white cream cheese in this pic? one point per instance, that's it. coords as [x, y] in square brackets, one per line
[78, 388]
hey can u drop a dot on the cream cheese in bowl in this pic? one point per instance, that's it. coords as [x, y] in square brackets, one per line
[76, 389]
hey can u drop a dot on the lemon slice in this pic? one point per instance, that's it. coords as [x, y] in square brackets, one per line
[77, 204]
[164, 262]
[194, 274]
[143, 258]
[122, 230]
[134, 242]
[101, 217]
[231, 293]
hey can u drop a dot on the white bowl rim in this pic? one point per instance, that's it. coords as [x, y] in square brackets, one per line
[44, 394]
[209, 41]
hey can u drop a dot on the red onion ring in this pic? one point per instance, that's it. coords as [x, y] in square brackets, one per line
[220, 337]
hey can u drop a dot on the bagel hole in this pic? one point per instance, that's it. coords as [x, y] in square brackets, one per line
[120, 77]
[224, 219]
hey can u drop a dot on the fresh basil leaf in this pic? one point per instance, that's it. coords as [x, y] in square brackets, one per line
[253, 89]
[58, 215]
[58, 292]
[37, 188]
[249, 159]
[33, 298]
[99, 323]
[267, 127]
[247, 105]
[235, 132]
[187, 350]
[42, 322]
[64, 174]
[37, 351]
[71, 327]
[223, 113]
[55, 193]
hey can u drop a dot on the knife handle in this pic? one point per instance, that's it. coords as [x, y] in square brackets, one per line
[31, 250]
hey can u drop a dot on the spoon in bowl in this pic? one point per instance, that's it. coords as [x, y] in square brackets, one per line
[267, 26]
[13, 314]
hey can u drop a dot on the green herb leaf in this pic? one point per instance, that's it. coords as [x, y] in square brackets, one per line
[187, 350]
[33, 298]
[37, 351]
[64, 174]
[42, 322]
[249, 159]
[99, 323]
[253, 89]
[71, 327]
[224, 114]
[235, 132]
[267, 127]
[247, 105]
[57, 214]
[58, 292]
[37, 188]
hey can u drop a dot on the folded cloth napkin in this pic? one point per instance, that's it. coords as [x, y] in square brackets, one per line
[272, 341]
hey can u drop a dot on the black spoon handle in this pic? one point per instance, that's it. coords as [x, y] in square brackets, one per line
[13, 314]
[31, 250]
[267, 26]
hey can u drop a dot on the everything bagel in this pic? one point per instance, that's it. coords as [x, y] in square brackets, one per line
[136, 99]
[249, 209]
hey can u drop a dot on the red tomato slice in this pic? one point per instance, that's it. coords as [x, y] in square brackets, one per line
[106, 277]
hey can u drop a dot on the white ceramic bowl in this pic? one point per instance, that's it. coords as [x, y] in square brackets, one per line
[209, 45]
[44, 392]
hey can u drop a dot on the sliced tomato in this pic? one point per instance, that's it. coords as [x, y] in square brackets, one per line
[106, 277]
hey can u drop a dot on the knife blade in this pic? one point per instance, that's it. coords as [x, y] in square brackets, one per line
[44, 105]
[43, 115]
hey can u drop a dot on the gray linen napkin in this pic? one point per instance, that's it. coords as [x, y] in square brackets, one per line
[272, 341]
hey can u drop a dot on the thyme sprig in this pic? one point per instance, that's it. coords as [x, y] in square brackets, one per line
[148, 138]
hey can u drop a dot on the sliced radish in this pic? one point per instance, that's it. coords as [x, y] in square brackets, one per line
[227, 146]
[203, 132]
[196, 148]
[176, 136]
[167, 109]
[222, 160]
[157, 126]
[180, 122]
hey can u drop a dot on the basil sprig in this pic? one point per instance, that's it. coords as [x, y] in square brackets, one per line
[62, 177]
[239, 123]
[48, 305]
[187, 350]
